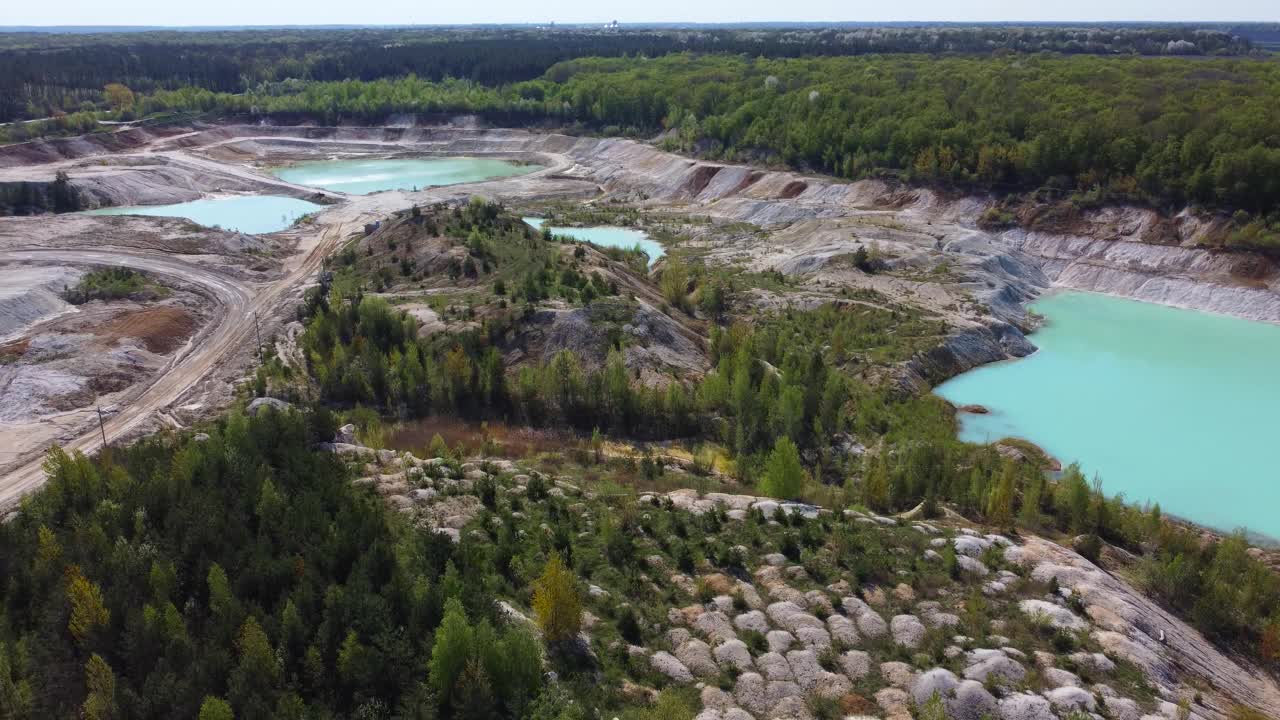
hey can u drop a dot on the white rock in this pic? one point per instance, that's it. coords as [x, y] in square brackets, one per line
[750, 693]
[973, 566]
[907, 630]
[1057, 677]
[780, 640]
[753, 620]
[1070, 699]
[805, 667]
[668, 665]
[735, 654]
[774, 666]
[939, 681]
[987, 665]
[814, 638]
[696, 656]
[842, 630]
[716, 626]
[1055, 615]
[855, 664]
[1024, 706]
[898, 674]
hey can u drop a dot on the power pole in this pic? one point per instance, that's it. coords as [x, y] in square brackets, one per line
[102, 427]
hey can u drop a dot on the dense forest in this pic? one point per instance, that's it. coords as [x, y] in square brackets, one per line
[1164, 131]
[50, 73]
[787, 391]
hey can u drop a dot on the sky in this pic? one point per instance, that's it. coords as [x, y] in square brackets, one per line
[428, 12]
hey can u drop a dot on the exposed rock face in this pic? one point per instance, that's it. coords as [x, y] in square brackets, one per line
[1127, 625]
[1179, 276]
[969, 348]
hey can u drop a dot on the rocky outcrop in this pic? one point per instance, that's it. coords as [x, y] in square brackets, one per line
[1129, 625]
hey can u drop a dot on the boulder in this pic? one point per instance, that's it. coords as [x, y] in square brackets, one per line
[1096, 662]
[993, 665]
[668, 665]
[750, 693]
[780, 640]
[1071, 699]
[855, 664]
[1121, 708]
[805, 667]
[258, 404]
[939, 681]
[971, 702]
[895, 703]
[869, 622]
[814, 638]
[970, 546]
[898, 674]
[972, 566]
[1024, 706]
[716, 626]
[1057, 677]
[1052, 613]
[734, 654]
[346, 433]
[753, 620]
[774, 667]
[696, 656]
[907, 630]
[842, 630]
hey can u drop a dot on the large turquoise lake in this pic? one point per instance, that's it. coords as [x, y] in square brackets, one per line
[1167, 405]
[361, 177]
[251, 214]
[607, 236]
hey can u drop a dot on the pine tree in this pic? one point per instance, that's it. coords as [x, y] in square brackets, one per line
[100, 704]
[556, 602]
[215, 708]
[875, 491]
[783, 475]
[87, 609]
[452, 649]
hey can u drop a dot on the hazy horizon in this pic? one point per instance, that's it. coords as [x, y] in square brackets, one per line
[286, 13]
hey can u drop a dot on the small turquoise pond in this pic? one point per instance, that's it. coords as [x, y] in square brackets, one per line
[619, 237]
[361, 177]
[1169, 406]
[251, 214]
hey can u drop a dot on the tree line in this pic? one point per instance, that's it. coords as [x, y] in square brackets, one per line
[50, 73]
[1091, 130]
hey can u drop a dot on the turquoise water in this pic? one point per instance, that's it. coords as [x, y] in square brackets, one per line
[361, 177]
[620, 237]
[251, 214]
[1167, 405]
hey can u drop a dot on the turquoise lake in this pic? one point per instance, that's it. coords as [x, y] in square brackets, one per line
[361, 177]
[1166, 405]
[251, 214]
[607, 236]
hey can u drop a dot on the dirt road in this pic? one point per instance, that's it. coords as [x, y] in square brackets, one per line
[235, 301]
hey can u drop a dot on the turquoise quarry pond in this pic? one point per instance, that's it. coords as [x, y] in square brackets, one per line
[1167, 405]
[251, 214]
[620, 237]
[361, 177]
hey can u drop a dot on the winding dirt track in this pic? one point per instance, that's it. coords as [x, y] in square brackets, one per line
[235, 302]
[232, 328]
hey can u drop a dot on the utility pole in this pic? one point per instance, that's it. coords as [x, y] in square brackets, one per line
[102, 427]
